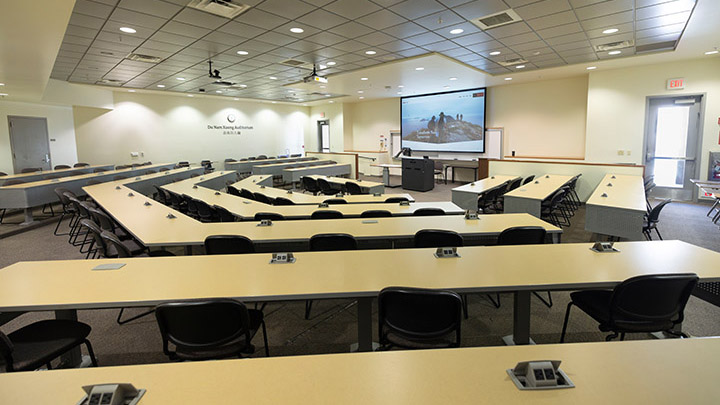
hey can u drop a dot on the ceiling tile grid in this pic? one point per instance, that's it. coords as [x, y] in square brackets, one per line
[343, 35]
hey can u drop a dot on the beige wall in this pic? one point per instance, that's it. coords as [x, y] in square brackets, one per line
[334, 114]
[171, 128]
[60, 132]
[541, 119]
[371, 119]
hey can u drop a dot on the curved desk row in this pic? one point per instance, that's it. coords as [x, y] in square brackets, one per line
[44, 175]
[246, 166]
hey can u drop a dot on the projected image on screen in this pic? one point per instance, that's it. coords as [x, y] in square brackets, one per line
[445, 122]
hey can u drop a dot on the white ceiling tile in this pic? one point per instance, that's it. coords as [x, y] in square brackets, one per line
[484, 46]
[608, 20]
[590, 57]
[564, 39]
[375, 38]
[120, 38]
[480, 8]
[468, 28]
[560, 30]
[598, 32]
[162, 46]
[553, 20]
[202, 19]
[423, 39]
[275, 38]
[287, 8]
[405, 30]
[661, 21]
[520, 39]
[167, 37]
[351, 30]
[135, 19]
[240, 29]
[663, 30]
[472, 39]
[542, 8]
[325, 38]
[604, 8]
[307, 30]
[83, 20]
[571, 45]
[322, 19]
[508, 30]
[396, 45]
[81, 31]
[664, 9]
[153, 7]
[440, 22]
[92, 8]
[72, 39]
[381, 19]
[350, 46]
[657, 39]
[114, 26]
[529, 45]
[629, 36]
[352, 9]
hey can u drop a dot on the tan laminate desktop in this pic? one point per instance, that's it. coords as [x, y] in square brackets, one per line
[621, 210]
[36, 176]
[630, 372]
[528, 198]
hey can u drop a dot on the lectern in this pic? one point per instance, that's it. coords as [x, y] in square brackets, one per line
[418, 174]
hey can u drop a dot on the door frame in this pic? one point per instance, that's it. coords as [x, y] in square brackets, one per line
[649, 127]
[12, 145]
[320, 123]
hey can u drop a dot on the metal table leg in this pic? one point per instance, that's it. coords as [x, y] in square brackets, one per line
[386, 176]
[365, 343]
[28, 216]
[521, 320]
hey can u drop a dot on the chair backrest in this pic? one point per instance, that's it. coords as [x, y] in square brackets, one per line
[654, 215]
[522, 235]
[261, 157]
[205, 211]
[224, 215]
[353, 188]
[396, 199]
[335, 201]
[81, 164]
[183, 164]
[93, 182]
[198, 327]
[31, 170]
[528, 179]
[230, 160]
[233, 191]
[99, 170]
[419, 315]
[250, 158]
[102, 219]
[60, 193]
[310, 184]
[122, 167]
[296, 155]
[150, 171]
[332, 241]
[115, 178]
[228, 244]
[58, 167]
[13, 182]
[191, 204]
[259, 216]
[3, 174]
[438, 165]
[650, 303]
[161, 195]
[426, 212]
[324, 185]
[259, 197]
[96, 233]
[111, 240]
[282, 201]
[163, 169]
[327, 214]
[513, 185]
[6, 350]
[376, 214]
[247, 194]
[437, 238]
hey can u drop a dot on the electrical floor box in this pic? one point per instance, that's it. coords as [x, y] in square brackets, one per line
[418, 174]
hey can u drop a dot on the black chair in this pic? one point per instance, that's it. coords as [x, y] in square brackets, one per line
[310, 185]
[500, 200]
[522, 235]
[327, 214]
[325, 187]
[353, 188]
[652, 220]
[329, 242]
[416, 318]
[376, 214]
[80, 164]
[67, 210]
[107, 224]
[123, 167]
[31, 170]
[3, 174]
[100, 170]
[209, 329]
[191, 208]
[244, 193]
[228, 245]
[335, 201]
[163, 169]
[282, 201]
[116, 178]
[260, 157]
[439, 169]
[233, 191]
[396, 200]
[223, 215]
[427, 212]
[37, 344]
[206, 213]
[59, 167]
[528, 179]
[437, 238]
[488, 201]
[259, 216]
[230, 160]
[649, 303]
[183, 164]
[262, 198]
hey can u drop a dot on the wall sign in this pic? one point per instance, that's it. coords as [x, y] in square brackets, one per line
[234, 129]
[676, 84]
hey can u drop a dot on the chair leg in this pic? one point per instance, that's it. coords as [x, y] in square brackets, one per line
[308, 308]
[496, 303]
[658, 233]
[565, 324]
[547, 303]
[48, 365]
[622, 336]
[611, 336]
[132, 318]
[91, 352]
[265, 339]
[57, 227]
[464, 298]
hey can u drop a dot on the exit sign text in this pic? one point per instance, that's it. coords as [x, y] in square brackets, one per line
[676, 84]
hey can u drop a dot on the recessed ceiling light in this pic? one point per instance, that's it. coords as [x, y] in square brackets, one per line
[399, 92]
[457, 31]
[218, 91]
[331, 63]
[327, 95]
[272, 78]
[363, 78]
[536, 53]
[131, 91]
[610, 31]
[453, 78]
[323, 87]
[297, 30]
[301, 99]
[161, 85]
[242, 52]
[419, 68]
[236, 99]
[190, 95]
[2, 84]
[591, 67]
[520, 67]
[360, 92]
[242, 85]
[361, 97]
[180, 78]
[274, 102]
[291, 91]
[370, 52]
[614, 52]
[711, 52]
[330, 101]
[3, 94]
[508, 78]
[446, 87]
[494, 53]
[128, 30]
[400, 86]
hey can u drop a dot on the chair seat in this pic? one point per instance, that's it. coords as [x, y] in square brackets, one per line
[40, 342]
[595, 303]
[230, 349]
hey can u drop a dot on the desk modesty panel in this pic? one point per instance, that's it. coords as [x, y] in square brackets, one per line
[631, 372]
[367, 187]
[617, 207]
[245, 166]
[276, 169]
[43, 175]
[466, 196]
[529, 197]
[295, 174]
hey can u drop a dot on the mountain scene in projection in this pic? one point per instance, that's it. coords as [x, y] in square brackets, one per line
[450, 131]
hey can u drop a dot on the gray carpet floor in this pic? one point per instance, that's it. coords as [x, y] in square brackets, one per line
[332, 327]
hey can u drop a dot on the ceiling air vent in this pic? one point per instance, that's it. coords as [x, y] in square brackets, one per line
[294, 63]
[111, 82]
[512, 62]
[496, 20]
[143, 58]
[656, 47]
[224, 8]
[614, 45]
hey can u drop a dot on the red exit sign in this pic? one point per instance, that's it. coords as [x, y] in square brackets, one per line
[676, 84]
